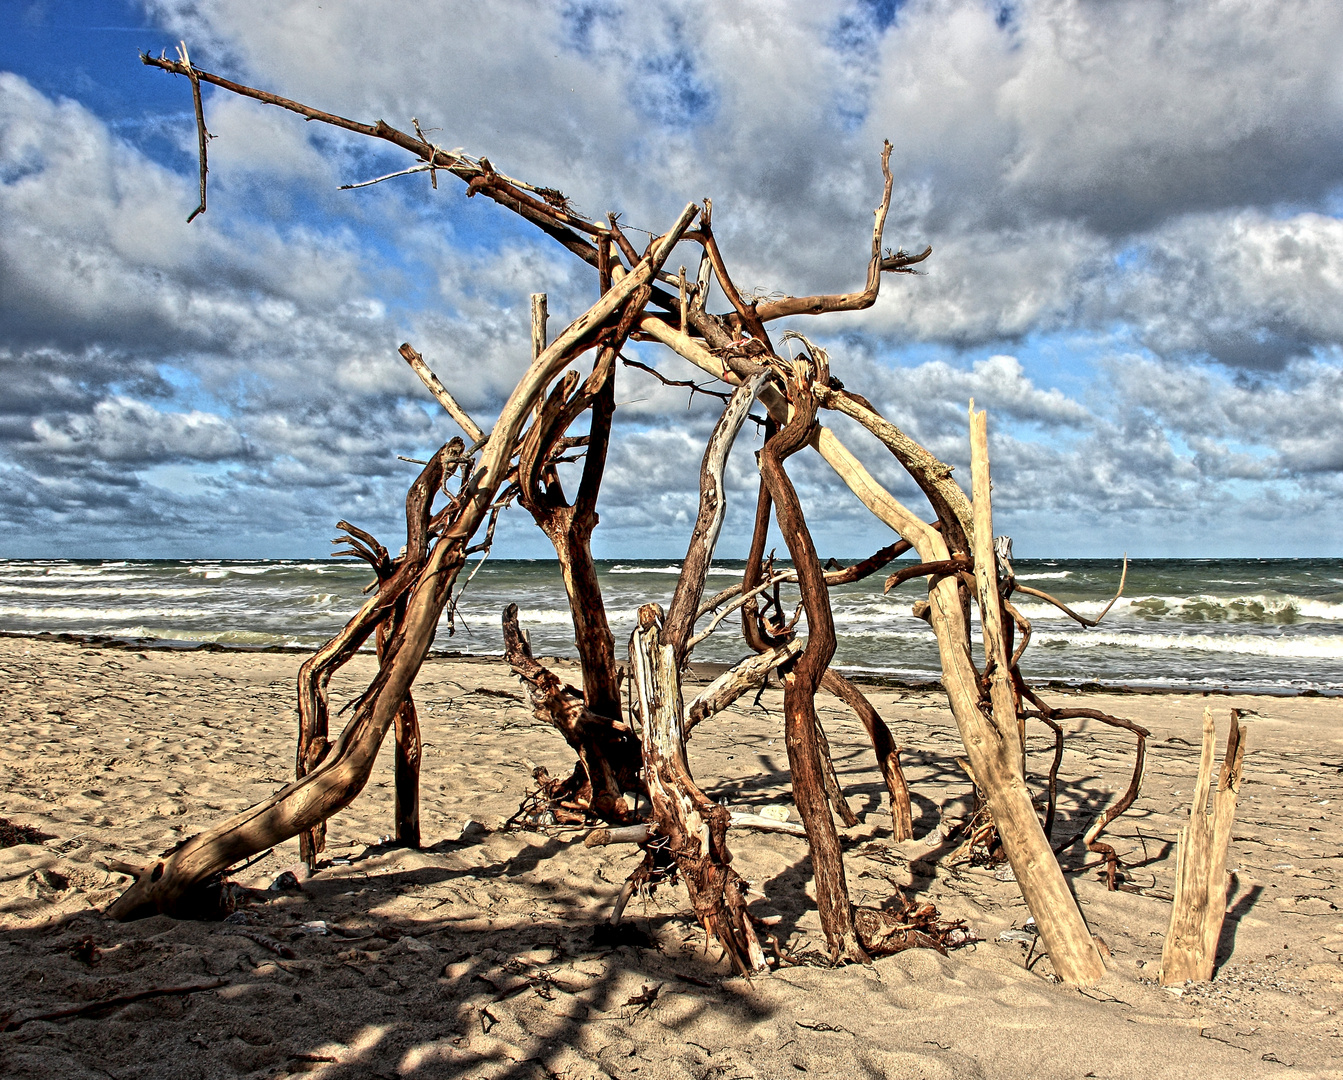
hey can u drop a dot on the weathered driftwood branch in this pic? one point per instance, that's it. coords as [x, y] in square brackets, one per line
[932, 476]
[608, 752]
[747, 675]
[883, 745]
[440, 392]
[203, 136]
[900, 263]
[569, 526]
[691, 828]
[378, 615]
[1082, 619]
[684, 607]
[844, 576]
[1091, 837]
[804, 678]
[1190, 951]
[995, 746]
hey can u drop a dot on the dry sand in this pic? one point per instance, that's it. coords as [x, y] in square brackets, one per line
[476, 956]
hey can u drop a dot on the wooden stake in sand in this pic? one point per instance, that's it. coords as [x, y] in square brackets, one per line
[1200, 862]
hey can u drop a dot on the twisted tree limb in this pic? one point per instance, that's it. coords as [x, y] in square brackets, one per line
[804, 678]
[605, 747]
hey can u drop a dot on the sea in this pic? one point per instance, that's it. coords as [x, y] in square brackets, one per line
[1248, 625]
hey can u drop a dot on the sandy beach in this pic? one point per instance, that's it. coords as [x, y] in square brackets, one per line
[482, 954]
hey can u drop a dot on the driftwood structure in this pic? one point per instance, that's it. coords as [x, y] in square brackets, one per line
[632, 772]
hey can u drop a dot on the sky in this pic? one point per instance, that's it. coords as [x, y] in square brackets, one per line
[1134, 208]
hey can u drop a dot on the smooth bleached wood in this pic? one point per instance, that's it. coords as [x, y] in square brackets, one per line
[1190, 951]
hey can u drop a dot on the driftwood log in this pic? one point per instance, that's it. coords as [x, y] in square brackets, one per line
[623, 757]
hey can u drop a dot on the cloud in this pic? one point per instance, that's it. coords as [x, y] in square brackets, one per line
[1147, 189]
[1249, 290]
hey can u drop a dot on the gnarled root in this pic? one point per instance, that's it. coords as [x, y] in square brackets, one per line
[609, 757]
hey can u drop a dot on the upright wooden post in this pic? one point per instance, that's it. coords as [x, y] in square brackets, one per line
[995, 753]
[539, 317]
[1200, 862]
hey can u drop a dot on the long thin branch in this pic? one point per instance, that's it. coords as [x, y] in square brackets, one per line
[202, 135]
[941, 566]
[507, 195]
[735, 682]
[742, 598]
[440, 392]
[932, 476]
[680, 620]
[899, 263]
[1069, 611]
[694, 387]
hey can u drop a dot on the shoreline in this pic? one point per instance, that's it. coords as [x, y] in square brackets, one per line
[484, 949]
[712, 669]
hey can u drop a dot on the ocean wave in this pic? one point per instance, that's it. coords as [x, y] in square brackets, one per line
[1056, 575]
[1303, 647]
[618, 569]
[545, 617]
[872, 618]
[220, 637]
[1256, 607]
[213, 570]
[94, 614]
[893, 636]
[39, 592]
[713, 571]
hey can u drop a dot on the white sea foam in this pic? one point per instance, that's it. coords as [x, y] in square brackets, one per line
[222, 637]
[40, 592]
[545, 617]
[1312, 646]
[1056, 575]
[924, 636]
[618, 569]
[873, 617]
[93, 614]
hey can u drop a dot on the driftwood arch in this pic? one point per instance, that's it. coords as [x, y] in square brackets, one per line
[451, 511]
